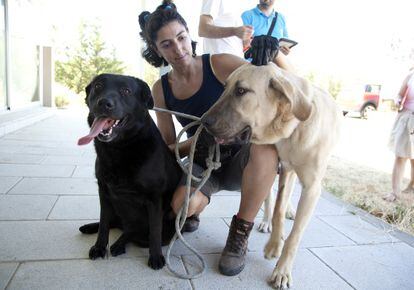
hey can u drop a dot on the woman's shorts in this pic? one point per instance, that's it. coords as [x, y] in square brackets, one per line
[227, 177]
[402, 135]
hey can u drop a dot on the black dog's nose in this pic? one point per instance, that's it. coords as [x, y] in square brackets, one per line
[208, 120]
[106, 104]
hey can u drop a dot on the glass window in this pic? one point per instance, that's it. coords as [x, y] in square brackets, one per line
[24, 54]
[3, 90]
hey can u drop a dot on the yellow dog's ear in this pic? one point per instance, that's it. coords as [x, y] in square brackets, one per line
[295, 89]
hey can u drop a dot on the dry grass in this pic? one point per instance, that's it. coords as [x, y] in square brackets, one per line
[364, 187]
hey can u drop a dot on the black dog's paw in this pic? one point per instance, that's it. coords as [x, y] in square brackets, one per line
[97, 252]
[156, 262]
[117, 249]
[91, 228]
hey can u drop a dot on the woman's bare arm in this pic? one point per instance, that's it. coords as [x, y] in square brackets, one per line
[403, 88]
[165, 122]
[282, 61]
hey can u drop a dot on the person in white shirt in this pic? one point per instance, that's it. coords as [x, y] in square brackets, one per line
[222, 28]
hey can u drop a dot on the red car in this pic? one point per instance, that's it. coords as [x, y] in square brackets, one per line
[360, 99]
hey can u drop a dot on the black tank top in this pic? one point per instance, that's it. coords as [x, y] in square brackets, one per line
[199, 103]
[196, 105]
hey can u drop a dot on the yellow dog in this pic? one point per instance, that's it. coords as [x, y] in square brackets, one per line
[272, 106]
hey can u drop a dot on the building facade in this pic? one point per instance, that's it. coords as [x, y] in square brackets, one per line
[24, 58]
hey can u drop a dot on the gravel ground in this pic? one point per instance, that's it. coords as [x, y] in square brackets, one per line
[360, 170]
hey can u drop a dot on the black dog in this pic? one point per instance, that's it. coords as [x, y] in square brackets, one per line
[137, 173]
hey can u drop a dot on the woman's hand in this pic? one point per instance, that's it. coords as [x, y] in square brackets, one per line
[184, 149]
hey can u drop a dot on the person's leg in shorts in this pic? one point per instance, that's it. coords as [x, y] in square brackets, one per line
[256, 182]
[199, 199]
[228, 177]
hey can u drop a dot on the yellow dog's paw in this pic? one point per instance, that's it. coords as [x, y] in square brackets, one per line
[273, 249]
[265, 227]
[281, 278]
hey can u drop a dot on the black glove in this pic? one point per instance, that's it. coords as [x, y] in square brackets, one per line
[263, 49]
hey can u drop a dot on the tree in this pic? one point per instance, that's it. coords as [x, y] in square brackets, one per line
[334, 87]
[89, 59]
[331, 84]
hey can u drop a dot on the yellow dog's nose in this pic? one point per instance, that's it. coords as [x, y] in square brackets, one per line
[208, 120]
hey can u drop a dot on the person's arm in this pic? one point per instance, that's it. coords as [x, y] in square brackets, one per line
[285, 50]
[247, 21]
[402, 90]
[206, 28]
[283, 62]
[165, 122]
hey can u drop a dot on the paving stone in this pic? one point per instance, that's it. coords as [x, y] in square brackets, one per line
[323, 207]
[226, 192]
[26, 207]
[9, 149]
[99, 274]
[21, 158]
[6, 272]
[317, 234]
[5, 141]
[39, 136]
[69, 160]
[89, 152]
[60, 186]
[49, 249]
[7, 182]
[308, 273]
[385, 266]
[326, 208]
[359, 230]
[223, 206]
[209, 238]
[49, 240]
[36, 170]
[50, 151]
[84, 171]
[42, 135]
[76, 208]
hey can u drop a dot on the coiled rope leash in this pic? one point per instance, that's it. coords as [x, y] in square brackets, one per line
[214, 153]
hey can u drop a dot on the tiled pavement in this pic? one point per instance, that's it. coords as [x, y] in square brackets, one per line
[47, 190]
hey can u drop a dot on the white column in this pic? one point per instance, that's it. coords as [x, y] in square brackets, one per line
[47, 76]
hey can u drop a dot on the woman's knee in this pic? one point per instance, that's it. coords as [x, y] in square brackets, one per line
[178, 199]
[196, 204]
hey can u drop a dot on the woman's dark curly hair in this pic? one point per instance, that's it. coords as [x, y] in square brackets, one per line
[151, 23]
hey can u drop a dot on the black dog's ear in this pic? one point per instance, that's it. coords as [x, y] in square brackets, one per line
[87, 91]
[146, 95]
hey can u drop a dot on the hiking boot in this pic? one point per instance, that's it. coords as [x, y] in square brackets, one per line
[191, 224]
[232, 258]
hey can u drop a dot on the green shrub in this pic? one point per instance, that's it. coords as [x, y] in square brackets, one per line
[61, 101]
[90, 58]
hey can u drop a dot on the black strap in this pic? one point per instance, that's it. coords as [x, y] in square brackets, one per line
[272, 26]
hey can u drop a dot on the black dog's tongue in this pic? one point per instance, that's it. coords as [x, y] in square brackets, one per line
[97, 126]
